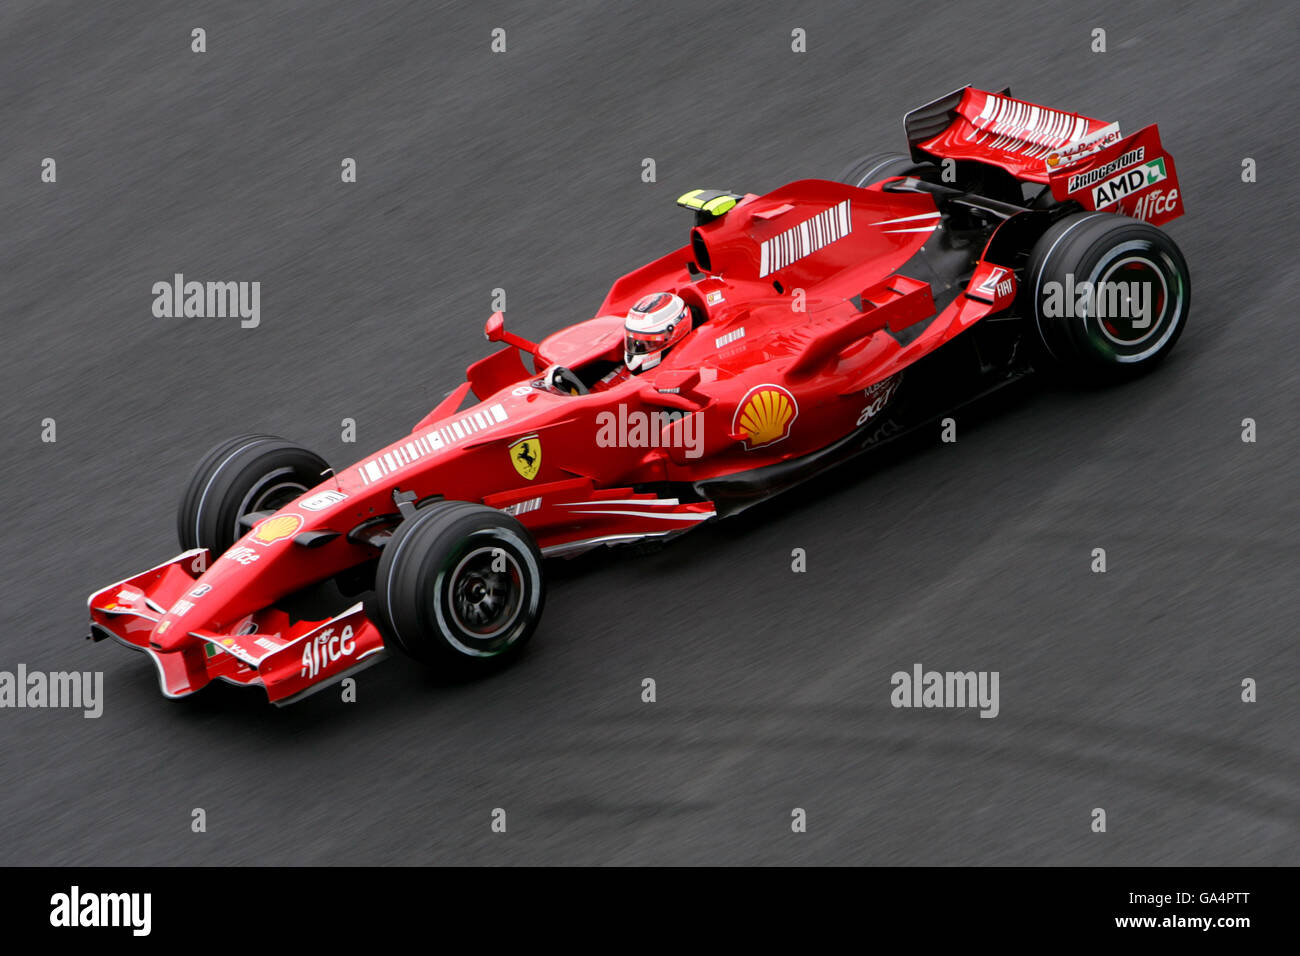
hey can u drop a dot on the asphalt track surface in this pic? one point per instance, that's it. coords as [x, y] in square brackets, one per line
[522, 170]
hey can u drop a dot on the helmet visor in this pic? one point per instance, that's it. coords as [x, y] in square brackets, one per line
[643, 343]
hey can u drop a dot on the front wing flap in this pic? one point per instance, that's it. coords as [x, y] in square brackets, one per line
[288, 660]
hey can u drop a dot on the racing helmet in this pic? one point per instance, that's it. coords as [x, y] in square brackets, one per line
[653, 326]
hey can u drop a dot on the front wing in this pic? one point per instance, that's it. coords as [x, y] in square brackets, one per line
[289, 660]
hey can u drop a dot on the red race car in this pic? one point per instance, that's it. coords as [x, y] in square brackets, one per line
[793, 331]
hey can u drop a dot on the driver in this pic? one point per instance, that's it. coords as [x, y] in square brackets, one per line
[653, 326]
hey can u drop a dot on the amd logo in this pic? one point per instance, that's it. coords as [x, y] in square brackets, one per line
[1116, 188]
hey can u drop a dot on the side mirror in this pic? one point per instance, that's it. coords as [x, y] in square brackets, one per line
[495, 331]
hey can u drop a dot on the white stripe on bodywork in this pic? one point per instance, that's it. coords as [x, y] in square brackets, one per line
[588, 543]
[665, 516]
[924, 215]
[619, 501]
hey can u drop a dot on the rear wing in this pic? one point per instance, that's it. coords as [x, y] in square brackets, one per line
[1085, 160]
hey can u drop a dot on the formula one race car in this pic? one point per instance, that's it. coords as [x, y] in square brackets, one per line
[793, 331]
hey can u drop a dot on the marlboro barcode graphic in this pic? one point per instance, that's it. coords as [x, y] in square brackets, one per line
[1025, 128]
[805, 239]
[403, 454]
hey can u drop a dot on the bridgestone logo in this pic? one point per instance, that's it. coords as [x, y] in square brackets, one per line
[805, 239]
[1082, 180]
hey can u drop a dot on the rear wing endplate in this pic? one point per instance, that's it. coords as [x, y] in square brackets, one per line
[1082, 159]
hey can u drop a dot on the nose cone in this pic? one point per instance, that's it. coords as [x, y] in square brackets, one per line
[170, 633]
[300, 544]
[241, 581]
[198, 607]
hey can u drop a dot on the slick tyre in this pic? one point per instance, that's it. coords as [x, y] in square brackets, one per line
[459, 587]
[874, 167]
[1135, 303]
[238, 477]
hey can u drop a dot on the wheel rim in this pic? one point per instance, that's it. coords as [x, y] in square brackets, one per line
[272, 496]
[1141, 283]
[486, 593]
[278, 495]
[1143, 273]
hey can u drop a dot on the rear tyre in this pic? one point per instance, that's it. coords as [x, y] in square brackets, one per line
[873, 168]
[459, 587]
[238, 477]
[1140, 293]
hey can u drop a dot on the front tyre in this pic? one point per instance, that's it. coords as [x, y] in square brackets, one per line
[459, 585]
[239, 477]
[1108, 294]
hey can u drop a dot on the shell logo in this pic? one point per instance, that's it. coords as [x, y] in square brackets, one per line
[277, 528]
[765, 415]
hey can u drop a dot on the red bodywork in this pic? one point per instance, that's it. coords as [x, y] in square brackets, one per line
[800, 306]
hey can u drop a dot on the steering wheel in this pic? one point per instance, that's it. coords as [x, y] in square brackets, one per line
[566, 380]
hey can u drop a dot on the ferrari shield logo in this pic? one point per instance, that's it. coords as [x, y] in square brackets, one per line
[526, 456]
